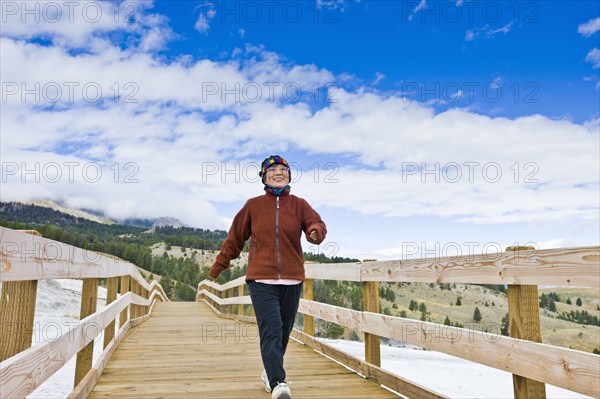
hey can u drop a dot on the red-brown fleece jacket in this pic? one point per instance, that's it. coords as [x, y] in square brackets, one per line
[275, 225]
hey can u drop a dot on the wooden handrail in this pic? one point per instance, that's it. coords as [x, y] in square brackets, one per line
[23, 373]
[566, 267]
[570, 369]
[27, 257]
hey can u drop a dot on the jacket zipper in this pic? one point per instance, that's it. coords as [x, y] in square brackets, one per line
[277, 239]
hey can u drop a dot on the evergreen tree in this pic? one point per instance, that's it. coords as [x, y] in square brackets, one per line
[477, 315]
[543, 301]
[552, 305]
[579, 303]
[458, 301]
[569, 301]
[504, 325]
[447, 321]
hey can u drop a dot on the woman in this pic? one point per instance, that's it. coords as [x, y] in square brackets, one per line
[275, 222]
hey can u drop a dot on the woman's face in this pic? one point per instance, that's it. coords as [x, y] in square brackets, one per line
[277, 176]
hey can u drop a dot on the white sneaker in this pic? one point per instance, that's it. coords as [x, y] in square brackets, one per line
[265, 379]
[281, 391]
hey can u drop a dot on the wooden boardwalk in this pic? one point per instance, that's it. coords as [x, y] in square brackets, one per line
[185, 350]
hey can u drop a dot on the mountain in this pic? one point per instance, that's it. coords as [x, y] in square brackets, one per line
[168, 221]
[62, 207]
[99, 217]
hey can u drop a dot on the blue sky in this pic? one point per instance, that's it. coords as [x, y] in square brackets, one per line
[414, 127]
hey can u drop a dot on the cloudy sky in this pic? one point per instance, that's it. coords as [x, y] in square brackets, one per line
[415, 128]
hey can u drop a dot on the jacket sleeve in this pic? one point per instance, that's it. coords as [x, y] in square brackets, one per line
[238, 234]
[312, 221]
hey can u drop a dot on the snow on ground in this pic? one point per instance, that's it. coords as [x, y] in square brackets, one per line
[56, 312]
[446, 374]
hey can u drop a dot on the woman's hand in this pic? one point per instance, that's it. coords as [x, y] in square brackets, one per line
[313, 235]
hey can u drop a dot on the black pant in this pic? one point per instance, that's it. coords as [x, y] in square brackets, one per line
[275, 307]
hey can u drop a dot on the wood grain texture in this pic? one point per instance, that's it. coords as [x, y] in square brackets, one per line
[111, 295]
[89, 300]
[372, 341]
[309, 322]
[189, 352]
[28, 257]
[372, 372]
[570, 369]
[23, 373]
[562, 267]
[17, 312]
[524, 323]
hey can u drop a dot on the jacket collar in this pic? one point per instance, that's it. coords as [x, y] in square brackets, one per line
[283, 194]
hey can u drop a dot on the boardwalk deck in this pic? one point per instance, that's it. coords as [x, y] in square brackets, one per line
[185, 350]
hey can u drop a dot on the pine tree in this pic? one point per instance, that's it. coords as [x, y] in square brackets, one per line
[569, 301]
[504, 326]
[458, 301]
[447, 321]
[477, 315]
[579, 303]
[552, 305]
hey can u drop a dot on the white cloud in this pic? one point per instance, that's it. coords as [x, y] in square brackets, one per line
[589, 28]
[487, 31]
[79, 25]
[207, 13]
[378, 78]
[177, 144]
[331, 4]
[504, 29]
[594, 57]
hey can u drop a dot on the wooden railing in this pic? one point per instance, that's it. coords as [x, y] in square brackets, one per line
[531, 362]
[26, 258]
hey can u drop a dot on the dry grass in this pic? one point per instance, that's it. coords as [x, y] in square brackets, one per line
[442, 303]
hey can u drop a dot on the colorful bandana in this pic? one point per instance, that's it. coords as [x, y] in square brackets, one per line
[272, 160]
[277, 191]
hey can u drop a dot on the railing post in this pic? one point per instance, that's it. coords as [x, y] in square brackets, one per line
[111, 296]
[372, 342]
[89, 300]
[524, 323]
[309, 322]
[17, 311]
[135, 290]
[123, 291]
[241, 294]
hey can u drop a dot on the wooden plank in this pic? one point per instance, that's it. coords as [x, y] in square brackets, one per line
[403, 386]
[89, 300]
[17, 307]
[561, 267]
[309, 322]
[17, 311]
[124, 289]
[29, 257]
[372, 341]
[175, 343]
[111, 295]
[83, 389]
[524, 322]
[566, 368]
[240, 295]
[23, 373]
